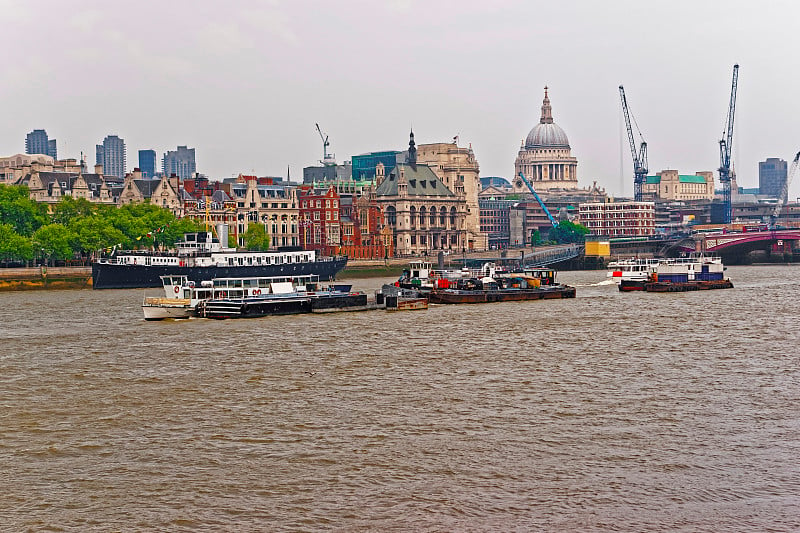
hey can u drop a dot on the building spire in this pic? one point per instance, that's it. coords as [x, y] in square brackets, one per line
[412, 150]
[547, 111]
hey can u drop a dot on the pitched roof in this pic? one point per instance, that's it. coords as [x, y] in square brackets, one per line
[421, 180]
[146, 186]
[220, 196]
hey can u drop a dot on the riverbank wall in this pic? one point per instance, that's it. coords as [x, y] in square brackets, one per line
[33, 278]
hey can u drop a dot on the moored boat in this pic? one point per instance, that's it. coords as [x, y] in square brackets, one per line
[180, 299]
[529, 284]
[258, 297]
[395, 298]
[202, 257]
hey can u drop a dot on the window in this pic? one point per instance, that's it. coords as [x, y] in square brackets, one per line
[316, 215]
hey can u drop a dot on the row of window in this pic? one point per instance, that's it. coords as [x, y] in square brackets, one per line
[596, 216]
[308, 204]
[423, 239]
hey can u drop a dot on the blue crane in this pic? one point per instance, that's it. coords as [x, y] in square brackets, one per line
[541, 203]
[725, 150]
[640, 156]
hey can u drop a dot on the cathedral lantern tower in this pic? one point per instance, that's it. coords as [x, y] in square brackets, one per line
[545, 157]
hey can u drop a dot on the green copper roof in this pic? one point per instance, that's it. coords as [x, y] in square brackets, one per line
[653, 180]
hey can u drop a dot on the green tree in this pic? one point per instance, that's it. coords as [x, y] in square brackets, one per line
[256, 237]
[536, 237]
[14, 247]
[568, 232]
[69, 209]
[94, 233]
[17, 209]
[53, 242]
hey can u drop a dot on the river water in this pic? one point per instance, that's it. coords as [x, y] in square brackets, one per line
[609, 412]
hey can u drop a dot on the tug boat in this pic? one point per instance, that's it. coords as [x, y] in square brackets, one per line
[631, 274]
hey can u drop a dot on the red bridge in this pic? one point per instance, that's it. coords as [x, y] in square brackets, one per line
[737, 245]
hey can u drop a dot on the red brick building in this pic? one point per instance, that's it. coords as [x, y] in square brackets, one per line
[320, 219]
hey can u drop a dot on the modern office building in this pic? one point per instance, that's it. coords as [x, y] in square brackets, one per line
[771, 177]
[37, 142]
[180, 162]
[332, 173]
[111, 154]
[364, 164]
[147, 163]
[495, 221]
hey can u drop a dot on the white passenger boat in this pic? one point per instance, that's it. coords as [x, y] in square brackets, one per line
[632, 273]
[180, 299]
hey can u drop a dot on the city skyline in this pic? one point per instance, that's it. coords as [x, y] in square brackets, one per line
[248, 84]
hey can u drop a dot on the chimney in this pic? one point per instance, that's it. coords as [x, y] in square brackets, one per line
[379, 174]
[98, 169]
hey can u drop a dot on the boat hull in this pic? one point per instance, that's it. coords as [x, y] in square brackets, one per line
[255, 308]
[659, 286]
[627, 285]
[451, 296]
[117, 276]
[162, 312]
[279, 305]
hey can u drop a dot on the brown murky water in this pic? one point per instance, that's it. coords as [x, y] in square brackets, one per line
[623, 412]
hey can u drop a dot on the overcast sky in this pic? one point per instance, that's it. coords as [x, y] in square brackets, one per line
[244, 82]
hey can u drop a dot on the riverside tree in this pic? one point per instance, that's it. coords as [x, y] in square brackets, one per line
[256, 237]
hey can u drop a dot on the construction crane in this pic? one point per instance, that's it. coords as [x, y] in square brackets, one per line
[541, 203]
[784, 193]
[725, 151]
[640, 156]
[327, 159]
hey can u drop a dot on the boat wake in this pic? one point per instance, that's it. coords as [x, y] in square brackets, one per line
[598, 284]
